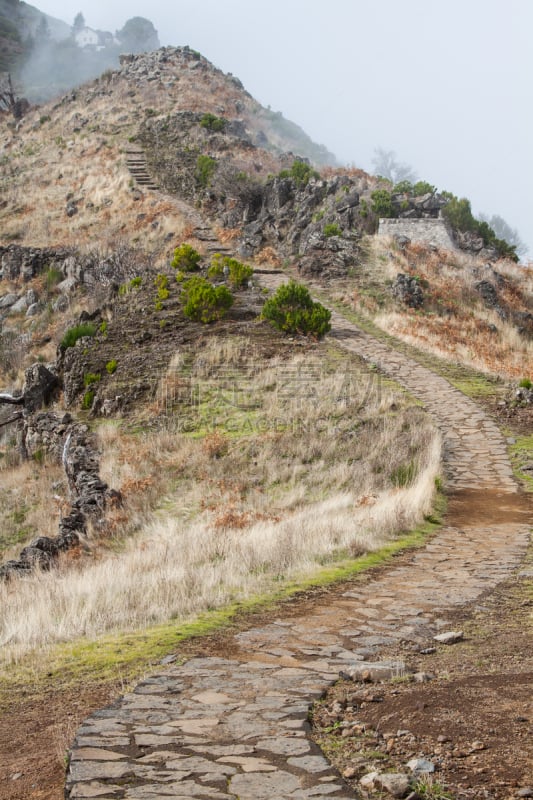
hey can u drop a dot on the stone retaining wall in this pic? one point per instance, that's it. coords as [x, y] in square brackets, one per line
[429, 231]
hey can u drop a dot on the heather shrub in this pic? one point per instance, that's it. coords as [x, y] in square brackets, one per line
[292, 310]
[186, 258]
[77, 332]
[204, 302]
[238, 274]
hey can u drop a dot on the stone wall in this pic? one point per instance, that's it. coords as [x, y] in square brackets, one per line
[429, 231]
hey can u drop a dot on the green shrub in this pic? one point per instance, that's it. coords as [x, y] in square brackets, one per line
[238, 274]
[161, 283]
[403, 187]
[53, 276]
[213, 123]
[186, 258]
[332, 230]
[458, 214]
[404, 475]
[103, 328]
[136, 282]
[205, 168]
[300, 172]
[91, 378]
[382, 203]
[204, 302]
[292, 310]
[87, 400]
[525, 383]
[111, 366]
[77, 332]
[423, 187]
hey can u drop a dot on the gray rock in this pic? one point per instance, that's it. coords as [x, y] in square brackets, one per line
[420, 766]
[371, 671]
[407, 290]
[61, 304]
[20, 306]
[395, 784]
[450, 637]
[33, 310]
[8, 300]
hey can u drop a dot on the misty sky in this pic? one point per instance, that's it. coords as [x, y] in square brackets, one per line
[447, 86]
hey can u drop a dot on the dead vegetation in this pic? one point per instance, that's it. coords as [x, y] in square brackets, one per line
[455, 321]
[262, 470]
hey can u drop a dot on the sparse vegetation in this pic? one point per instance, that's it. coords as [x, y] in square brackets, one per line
[90, 378]
[86, 329]
[111, 366]
[205, 169]
[332, 230]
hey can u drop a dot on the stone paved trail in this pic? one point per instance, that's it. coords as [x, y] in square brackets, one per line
[219, 729]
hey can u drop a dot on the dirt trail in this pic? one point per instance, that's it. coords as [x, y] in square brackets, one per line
[228, 728]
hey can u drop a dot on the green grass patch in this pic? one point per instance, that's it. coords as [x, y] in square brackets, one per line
[521, 453]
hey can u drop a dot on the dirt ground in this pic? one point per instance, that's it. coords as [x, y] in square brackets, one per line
[473, 719]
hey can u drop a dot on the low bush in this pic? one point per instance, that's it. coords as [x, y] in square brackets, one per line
[53, 276]
[88, 399]
[77, 332]
[91, 378]
[186, 258]
[205, 168]
[458, 214]
[332, 230]
[204, 302]
[213, 123]
[382, 203]
[300, 172]
[292, 310]
[111, 366]
[238, 274]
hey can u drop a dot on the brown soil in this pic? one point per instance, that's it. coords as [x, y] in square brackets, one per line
[473, 720]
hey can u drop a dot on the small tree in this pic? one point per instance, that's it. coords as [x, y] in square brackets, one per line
[292, 310]
[79, 23]
[186, 258]
[204, 302]
[387, 165]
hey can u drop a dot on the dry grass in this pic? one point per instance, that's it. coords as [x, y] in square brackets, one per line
[454, 322]
[277, 488]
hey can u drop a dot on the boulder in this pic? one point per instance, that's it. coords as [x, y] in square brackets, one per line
[39, 386]
[408, 291]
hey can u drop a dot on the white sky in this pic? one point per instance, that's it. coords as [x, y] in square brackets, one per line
[447, 85]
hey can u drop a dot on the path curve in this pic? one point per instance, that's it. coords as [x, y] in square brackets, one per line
[238, 729]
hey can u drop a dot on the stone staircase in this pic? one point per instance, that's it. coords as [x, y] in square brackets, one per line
[136, 163]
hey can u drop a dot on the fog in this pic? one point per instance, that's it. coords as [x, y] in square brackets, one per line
[447, 86]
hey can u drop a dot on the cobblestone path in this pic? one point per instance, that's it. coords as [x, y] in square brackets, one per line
[238, 729]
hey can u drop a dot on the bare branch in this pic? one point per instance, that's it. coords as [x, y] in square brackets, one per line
[6, 422]
[10, 400]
